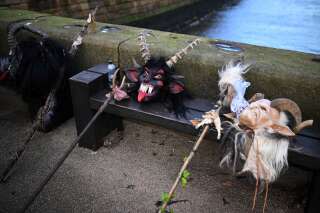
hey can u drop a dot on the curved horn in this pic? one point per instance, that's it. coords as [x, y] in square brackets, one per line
[285, 104]
[144, 46]
[303, 125]
[179, 55]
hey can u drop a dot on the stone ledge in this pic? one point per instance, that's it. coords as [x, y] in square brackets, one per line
[275, 72]
[115, 11]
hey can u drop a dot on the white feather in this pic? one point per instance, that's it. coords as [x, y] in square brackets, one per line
[231, 73]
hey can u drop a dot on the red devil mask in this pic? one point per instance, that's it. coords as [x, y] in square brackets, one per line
[153, 79]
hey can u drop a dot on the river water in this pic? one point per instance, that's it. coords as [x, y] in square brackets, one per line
[284, 24]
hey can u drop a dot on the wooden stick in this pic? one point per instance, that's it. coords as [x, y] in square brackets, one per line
[65, 155]
[184, 166]
[19, 154]
[266, 197]
[258, 176]
[255, 195]
[73, 145]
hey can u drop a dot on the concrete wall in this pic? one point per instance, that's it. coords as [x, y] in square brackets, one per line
[276, 73]
[113, 11]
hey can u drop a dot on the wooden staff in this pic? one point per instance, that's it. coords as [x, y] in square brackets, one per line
[109, 96]
[65, 155]
[184, 166]
[19, 154]
[39, 121]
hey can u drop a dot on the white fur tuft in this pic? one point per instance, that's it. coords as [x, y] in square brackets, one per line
[231, 73]
[270, 154]
[283, 119]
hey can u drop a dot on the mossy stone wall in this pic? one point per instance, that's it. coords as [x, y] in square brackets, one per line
[275, 72]
[113, 11]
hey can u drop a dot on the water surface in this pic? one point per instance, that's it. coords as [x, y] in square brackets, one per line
[285, 24]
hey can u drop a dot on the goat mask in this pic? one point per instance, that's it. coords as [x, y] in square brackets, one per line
[260, 114]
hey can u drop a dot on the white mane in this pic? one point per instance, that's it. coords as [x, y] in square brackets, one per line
[231, 73]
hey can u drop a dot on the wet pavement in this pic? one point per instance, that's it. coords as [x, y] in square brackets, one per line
[128, 174]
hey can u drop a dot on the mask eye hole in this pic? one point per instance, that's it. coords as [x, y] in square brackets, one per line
[160, 71]
[158, 77]
[263, 108]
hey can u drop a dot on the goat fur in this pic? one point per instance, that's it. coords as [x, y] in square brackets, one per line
[267, 156]
[264, 155]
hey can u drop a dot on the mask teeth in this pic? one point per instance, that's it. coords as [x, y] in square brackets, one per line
[143, 88]
[150, 89]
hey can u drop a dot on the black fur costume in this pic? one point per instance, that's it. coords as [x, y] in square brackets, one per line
[37, 65]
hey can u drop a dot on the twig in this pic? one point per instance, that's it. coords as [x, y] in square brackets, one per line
[184, 166]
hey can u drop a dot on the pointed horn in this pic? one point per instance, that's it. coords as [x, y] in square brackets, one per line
[144, 46]
[303, 125]
[179, 55]
[135, 64]
[84, 31]
[285, 104]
